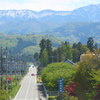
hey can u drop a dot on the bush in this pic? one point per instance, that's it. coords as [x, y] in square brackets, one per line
[52, 97]
[65, 96]
[3, 95]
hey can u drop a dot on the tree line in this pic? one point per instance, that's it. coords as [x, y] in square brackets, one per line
[48, 54]
[82, 80]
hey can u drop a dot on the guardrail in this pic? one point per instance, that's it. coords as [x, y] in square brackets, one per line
[45, 91]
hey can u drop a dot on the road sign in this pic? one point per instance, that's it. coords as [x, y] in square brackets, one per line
[60, 85]
[28, 65]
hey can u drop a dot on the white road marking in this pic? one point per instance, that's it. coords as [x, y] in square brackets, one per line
[28, 89]
[30, 71]
[19, 89]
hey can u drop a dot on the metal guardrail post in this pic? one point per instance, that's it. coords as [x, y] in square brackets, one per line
[45, 91]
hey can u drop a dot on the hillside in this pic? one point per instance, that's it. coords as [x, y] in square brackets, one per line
[72, 26]
[26, 44]
[26, 27]
[77, 31]
[29, 21]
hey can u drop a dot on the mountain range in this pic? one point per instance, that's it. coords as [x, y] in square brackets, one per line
[47, 21]
[86, 13]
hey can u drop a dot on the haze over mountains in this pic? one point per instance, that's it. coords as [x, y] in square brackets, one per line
[53, 22]
[86, 13]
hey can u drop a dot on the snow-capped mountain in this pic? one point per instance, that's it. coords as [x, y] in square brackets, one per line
[28, 21]
[29, 14]
[86, 13]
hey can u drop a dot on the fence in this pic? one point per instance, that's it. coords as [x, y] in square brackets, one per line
[52, 93]
[45, 91]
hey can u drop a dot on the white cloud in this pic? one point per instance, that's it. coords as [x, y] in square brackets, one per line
[38, 5]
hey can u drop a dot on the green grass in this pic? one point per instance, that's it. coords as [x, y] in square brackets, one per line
[14, 91]
[15, 87]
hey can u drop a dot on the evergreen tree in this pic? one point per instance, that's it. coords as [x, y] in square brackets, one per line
[46, 45]
[44, 58]
[90, 43]
[49, 49]
[76, 55]
[79, 44]
[67, 51]
[66, 43]
[36, 56]
[74, 45]
[60, 56]
[55, 55]
[78, 50]
[42, 46]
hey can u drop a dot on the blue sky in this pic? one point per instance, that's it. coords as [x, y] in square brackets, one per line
[38, 5]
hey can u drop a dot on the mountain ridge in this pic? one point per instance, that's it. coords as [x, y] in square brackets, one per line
[53, 22]
[25, 14]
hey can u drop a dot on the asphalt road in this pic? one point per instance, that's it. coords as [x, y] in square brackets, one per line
[28, 90]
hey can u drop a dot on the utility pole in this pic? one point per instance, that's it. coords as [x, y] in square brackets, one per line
[6, 63]
[11, 71]
[1, 71]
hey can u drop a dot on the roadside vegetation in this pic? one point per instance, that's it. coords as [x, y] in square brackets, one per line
[13, 87]
[55, 71]
[81, 80]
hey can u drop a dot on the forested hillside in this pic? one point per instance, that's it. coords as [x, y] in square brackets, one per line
[72, 31]
[26, 44]
[26, 27]
[77, 31]
[73, 26]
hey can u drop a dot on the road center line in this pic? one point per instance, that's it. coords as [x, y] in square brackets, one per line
[28, 88]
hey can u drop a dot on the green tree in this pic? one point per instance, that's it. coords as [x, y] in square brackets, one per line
[84, 48]
[44, 58]
[55, 56]
[67, 51]
[76, 55]
[47, 45]
[78, 50]
[74, 45]
[65, 96]
[36, 56]
[55, 71]
[60, 54]
[42, 46]
[49, 49]
[82, 78]
[95, 77]
[90, 43]
[79, 44]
